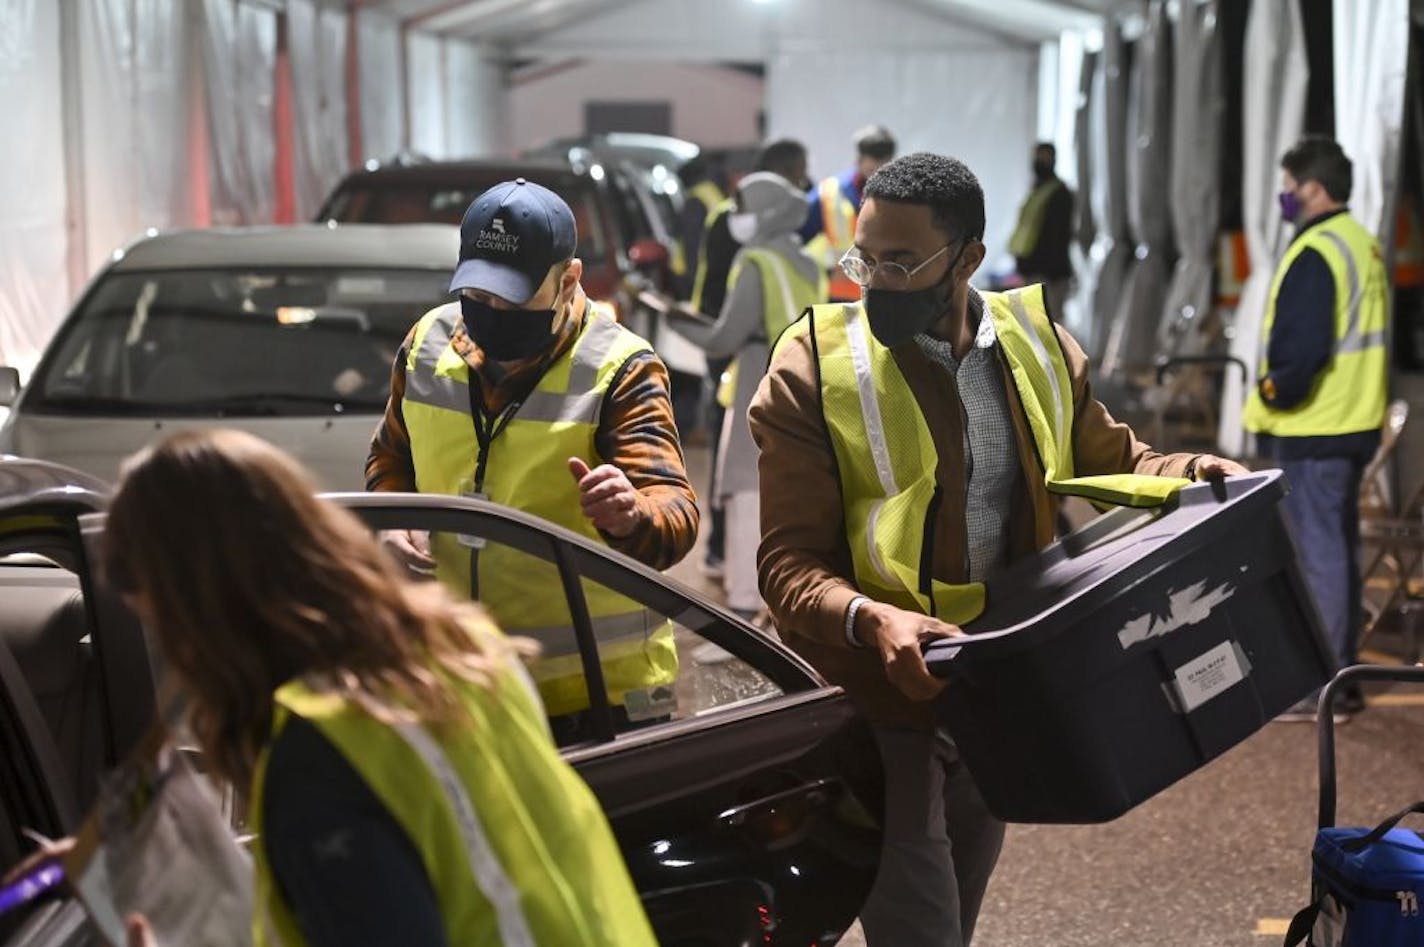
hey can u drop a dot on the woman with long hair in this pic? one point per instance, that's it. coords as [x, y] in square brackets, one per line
[403, 783]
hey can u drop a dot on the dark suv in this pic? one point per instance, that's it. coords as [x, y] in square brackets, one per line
[616, 239]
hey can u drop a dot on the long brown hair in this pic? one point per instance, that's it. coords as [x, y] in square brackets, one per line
[250, 581]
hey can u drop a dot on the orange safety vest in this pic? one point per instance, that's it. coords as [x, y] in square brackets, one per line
[838, 217]
[1233, 267]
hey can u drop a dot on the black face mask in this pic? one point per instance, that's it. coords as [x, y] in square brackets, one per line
[508, 335]
[898, 315]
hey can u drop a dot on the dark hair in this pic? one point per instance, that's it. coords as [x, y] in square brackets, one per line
[278, 584]
[944, 184]
[694, 171]
[781, 156]
[1318, 158]
[1046, 147]
[875, 142]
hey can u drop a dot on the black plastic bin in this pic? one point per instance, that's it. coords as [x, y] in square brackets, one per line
[1132, 652]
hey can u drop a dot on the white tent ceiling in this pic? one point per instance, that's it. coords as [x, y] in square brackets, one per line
[516, 23]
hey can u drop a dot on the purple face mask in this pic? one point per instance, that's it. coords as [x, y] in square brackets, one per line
[1290, 205]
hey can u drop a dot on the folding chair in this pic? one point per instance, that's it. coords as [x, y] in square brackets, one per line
[1395, 532]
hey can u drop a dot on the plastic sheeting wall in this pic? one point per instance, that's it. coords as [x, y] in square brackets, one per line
[1113, 252]
[1196, 145]
[134, 85]
[1133, 338]
[974, 104]
[1371, 67]
[1274, 117]
[33, 246]
[378, 54]
[456, 98]
[239, 59]
[316, 43]
[129, 115]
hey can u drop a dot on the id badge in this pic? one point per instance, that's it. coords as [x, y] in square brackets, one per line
[471, 542]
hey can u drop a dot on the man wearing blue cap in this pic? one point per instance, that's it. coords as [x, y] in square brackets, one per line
[524, 393]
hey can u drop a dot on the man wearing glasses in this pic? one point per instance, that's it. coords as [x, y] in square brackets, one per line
[908, 446]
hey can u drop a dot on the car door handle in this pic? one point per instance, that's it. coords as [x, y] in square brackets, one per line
[812, 795]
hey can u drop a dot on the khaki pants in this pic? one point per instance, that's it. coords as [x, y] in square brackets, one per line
[743, 535]
[941, 845]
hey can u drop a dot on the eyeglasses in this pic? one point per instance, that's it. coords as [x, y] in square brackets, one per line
[893, 276]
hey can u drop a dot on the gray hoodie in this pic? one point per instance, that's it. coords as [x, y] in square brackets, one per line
[779, 210]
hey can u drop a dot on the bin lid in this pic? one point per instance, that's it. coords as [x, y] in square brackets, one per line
[1081, 572]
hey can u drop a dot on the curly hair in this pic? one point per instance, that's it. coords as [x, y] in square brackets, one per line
[945, 184]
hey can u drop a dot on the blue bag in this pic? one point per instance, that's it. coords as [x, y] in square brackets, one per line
[1367, 887]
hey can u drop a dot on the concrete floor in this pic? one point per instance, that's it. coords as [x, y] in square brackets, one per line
[1222, 858]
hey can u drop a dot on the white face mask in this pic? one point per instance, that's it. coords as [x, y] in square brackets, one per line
[742, 227]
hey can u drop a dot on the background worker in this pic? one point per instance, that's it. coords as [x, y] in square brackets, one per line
[1322, 384]
[902, 449]
[773, 279]
[1045, 229]
[785, 157]
[523, 393]
[359, 713]
[830, 222]
[702, 195]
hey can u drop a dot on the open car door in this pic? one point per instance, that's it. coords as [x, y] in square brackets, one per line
[744, 794]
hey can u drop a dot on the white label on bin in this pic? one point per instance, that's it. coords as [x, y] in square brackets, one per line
[1184, 607]
[1201, 679]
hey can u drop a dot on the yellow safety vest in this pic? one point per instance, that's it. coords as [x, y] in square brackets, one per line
[1031, 215]
[515, 845]
[527, 468]
[785, 295]
[708, 193]
[887, 459]
[711, 196]
[1349, 394]
[699, 282]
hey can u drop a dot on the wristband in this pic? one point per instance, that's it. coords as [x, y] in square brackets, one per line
[851, 611]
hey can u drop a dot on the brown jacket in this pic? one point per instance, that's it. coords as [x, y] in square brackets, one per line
[804, 562]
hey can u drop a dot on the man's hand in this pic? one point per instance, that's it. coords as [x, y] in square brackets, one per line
[1209, 466]
[898, 635]
[609, 500]
[411, 548]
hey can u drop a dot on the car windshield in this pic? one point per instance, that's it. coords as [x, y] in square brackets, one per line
[375, 199]
[231, 343]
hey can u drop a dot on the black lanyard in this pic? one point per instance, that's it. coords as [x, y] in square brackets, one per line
[487, 428]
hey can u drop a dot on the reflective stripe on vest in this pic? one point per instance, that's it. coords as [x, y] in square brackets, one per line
[482, 802]
[887, 460]
[494, 883]
[527, 469]
[785, 295]
[1349, 393]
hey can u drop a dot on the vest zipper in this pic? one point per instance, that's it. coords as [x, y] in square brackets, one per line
[927, 549]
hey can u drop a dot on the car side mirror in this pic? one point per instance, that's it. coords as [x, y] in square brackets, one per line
[648, 254]
[9, 385]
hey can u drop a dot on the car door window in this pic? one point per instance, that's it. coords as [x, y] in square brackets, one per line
[662, 654]
[656, 660]
[44, 625]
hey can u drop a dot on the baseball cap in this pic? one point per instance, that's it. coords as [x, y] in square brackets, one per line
[511, 235]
